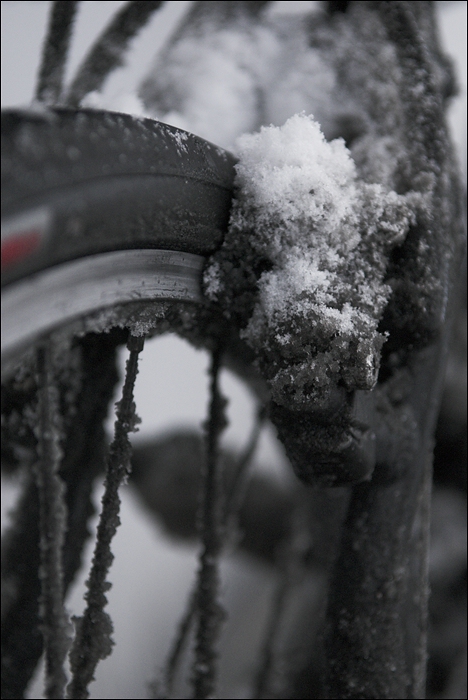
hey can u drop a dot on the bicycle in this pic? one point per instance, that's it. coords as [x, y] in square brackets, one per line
[61, 161]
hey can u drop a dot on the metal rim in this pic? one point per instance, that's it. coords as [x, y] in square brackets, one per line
[44, 301]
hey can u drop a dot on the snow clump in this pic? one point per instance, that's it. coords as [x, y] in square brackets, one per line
[303, 265]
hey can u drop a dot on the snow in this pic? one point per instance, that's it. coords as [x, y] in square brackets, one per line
[325, 234]
[320, 219]
[293, 172]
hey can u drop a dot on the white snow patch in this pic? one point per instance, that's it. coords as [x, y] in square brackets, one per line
[325, 234]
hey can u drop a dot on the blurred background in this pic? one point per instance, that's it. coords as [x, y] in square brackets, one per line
[152, 572]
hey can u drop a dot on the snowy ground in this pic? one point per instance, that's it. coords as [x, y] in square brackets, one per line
[150, 574]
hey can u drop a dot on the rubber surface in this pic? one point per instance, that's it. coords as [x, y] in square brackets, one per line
[81, 182]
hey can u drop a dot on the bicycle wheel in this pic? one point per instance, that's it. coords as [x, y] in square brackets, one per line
[100, 212]
[99, 209]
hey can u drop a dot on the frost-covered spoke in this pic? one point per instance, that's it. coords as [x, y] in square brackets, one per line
[209, 610]
[93, 630]
[107, 53]
[232, 503]
[54, 55]
[52, 524]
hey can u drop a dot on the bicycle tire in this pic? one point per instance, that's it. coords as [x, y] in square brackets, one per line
[101, 208]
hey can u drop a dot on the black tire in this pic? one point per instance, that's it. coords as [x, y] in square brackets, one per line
[111, 182]
[81, 186]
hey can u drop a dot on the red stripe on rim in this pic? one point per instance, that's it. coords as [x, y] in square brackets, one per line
[19, 246]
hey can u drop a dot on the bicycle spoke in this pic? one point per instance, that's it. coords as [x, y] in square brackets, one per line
[209, 611]
[55, 50]
[231, 507]
[106, 54]
[93, 630]
[52, 525]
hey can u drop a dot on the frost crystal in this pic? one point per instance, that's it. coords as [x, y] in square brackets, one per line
[302, 268]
